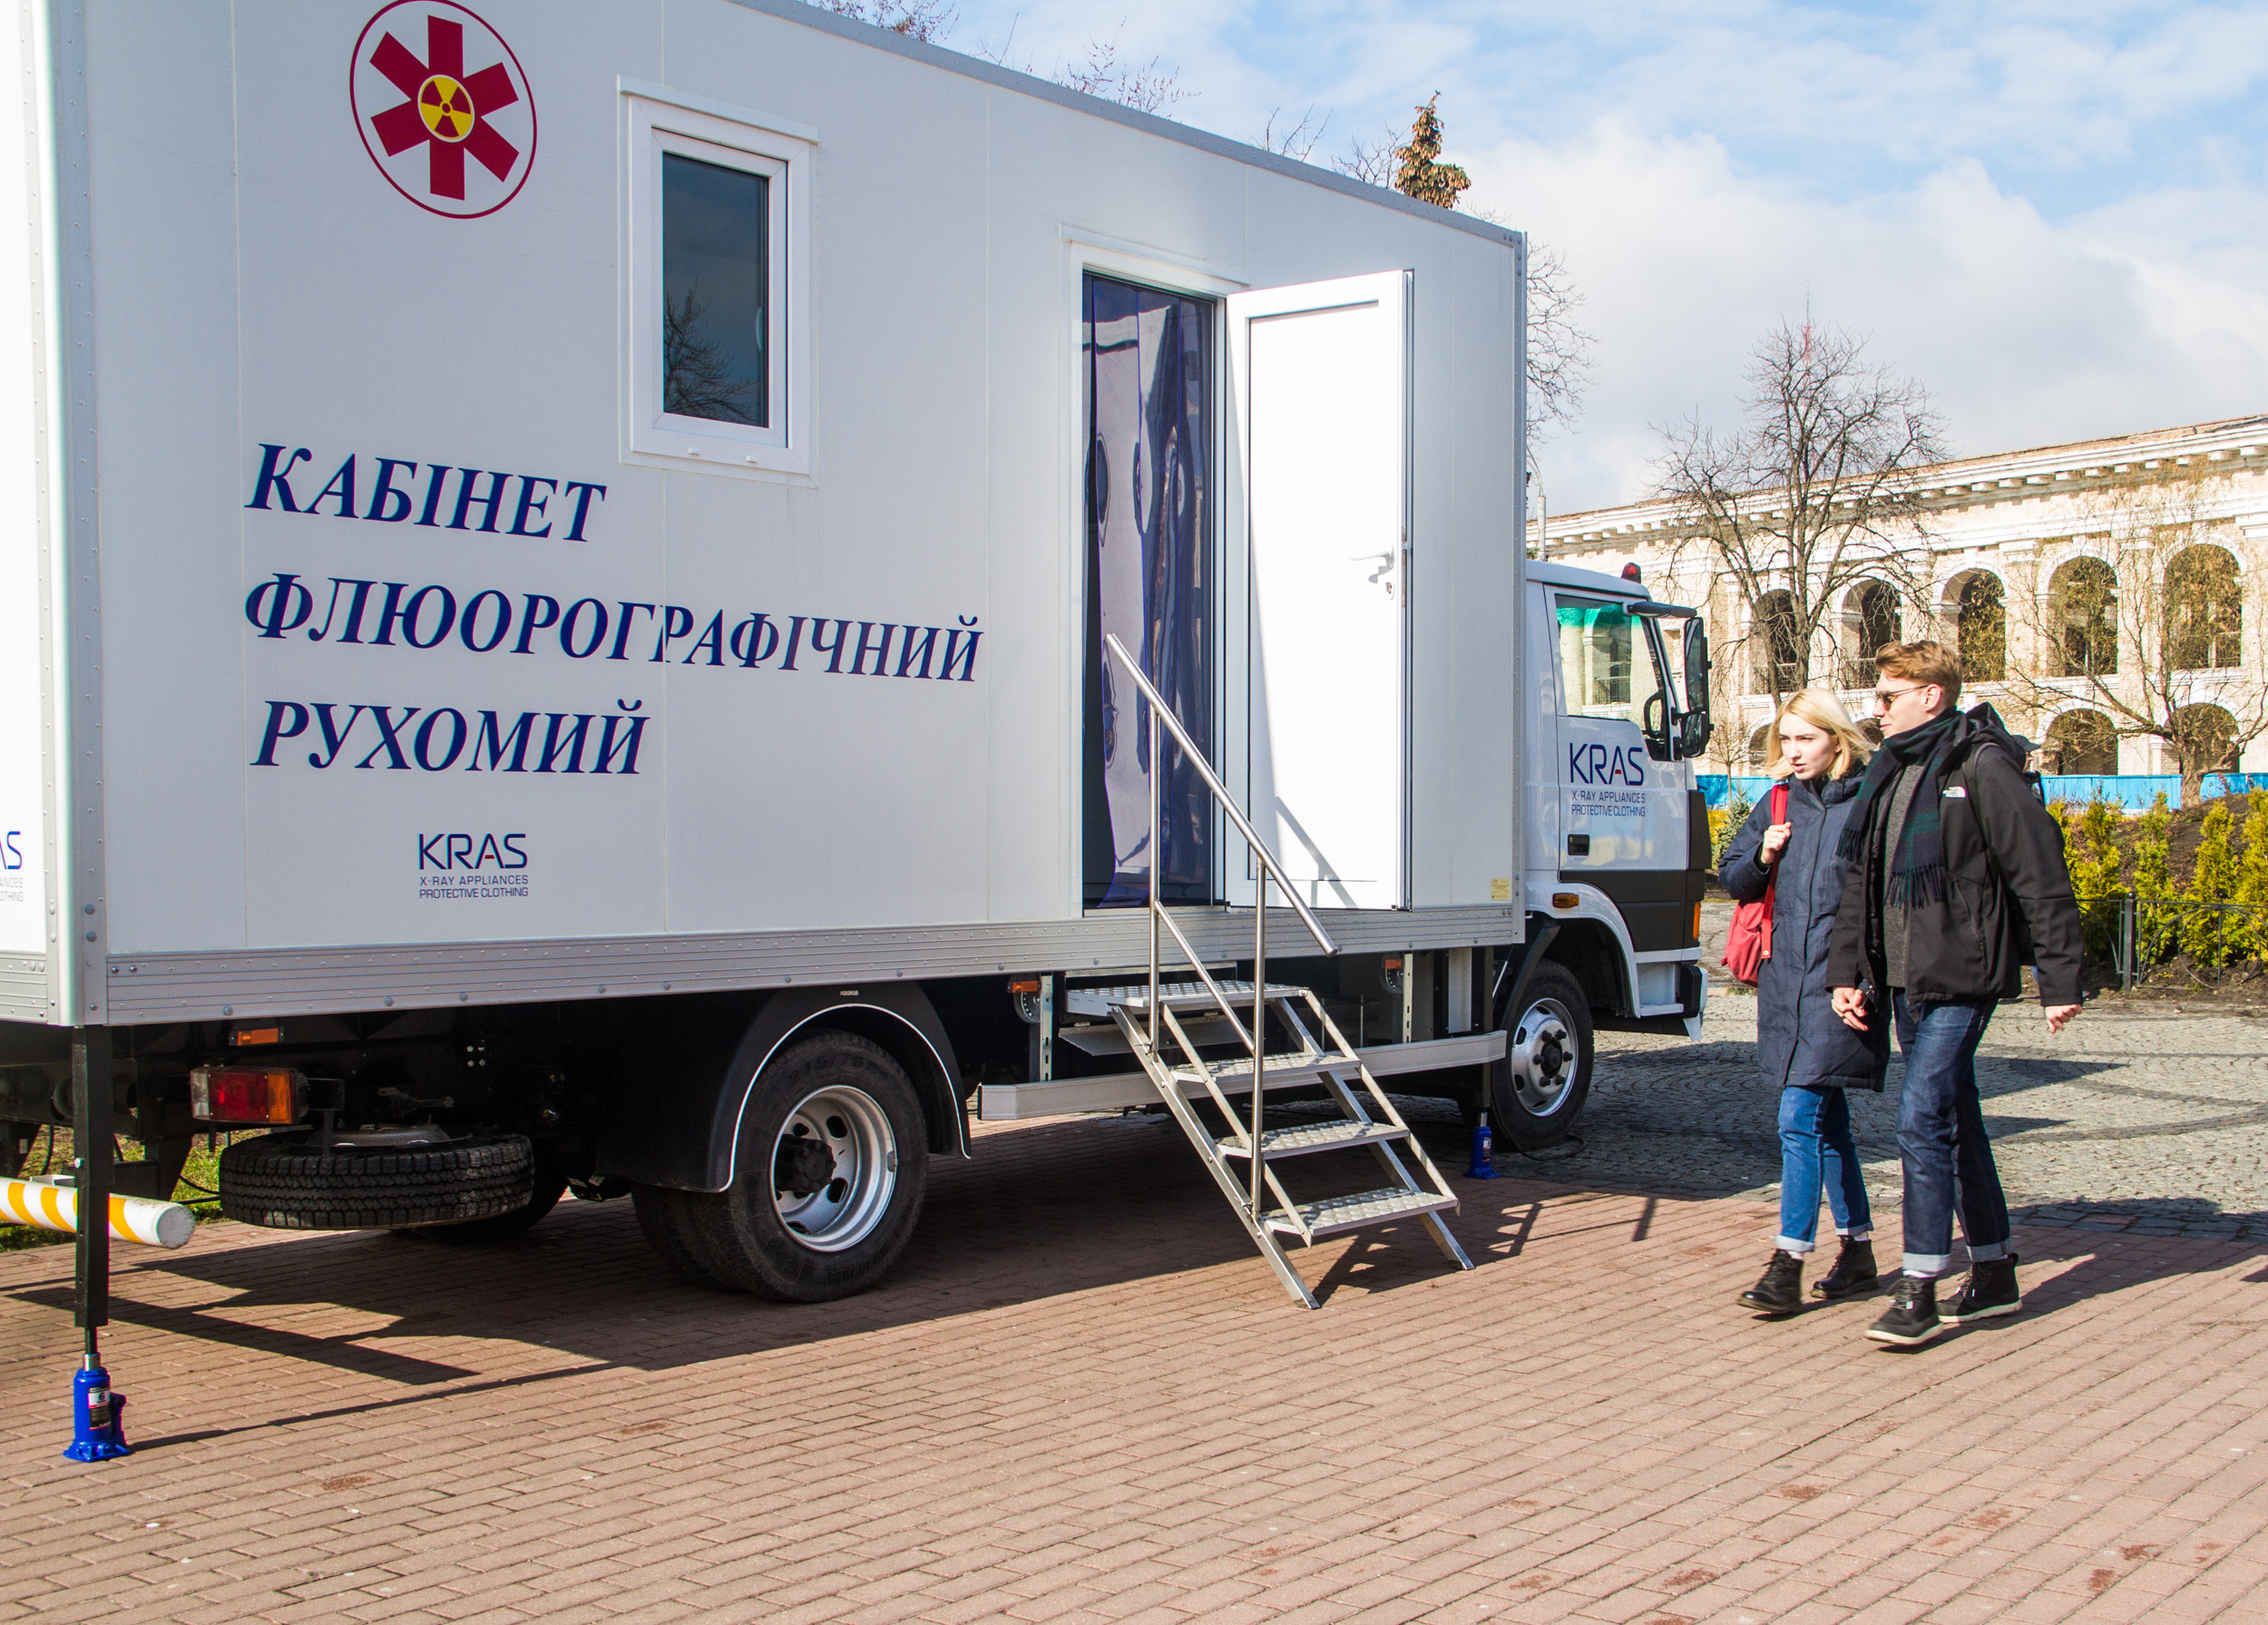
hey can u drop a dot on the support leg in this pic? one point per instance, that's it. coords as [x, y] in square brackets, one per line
[96, 1434]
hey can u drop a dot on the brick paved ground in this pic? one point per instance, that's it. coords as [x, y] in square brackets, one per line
[1080, 1397]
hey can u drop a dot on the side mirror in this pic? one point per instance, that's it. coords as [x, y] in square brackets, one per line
[1656, 726]
[1693, 726]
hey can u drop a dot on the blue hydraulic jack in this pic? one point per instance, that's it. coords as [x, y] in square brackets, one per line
[1483, 1165]
[98, 1430]
[98, 1415]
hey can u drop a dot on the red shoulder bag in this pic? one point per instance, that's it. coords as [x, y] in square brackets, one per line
[1748, 943]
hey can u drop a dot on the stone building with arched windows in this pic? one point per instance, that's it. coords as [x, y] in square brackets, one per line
[2109, 597]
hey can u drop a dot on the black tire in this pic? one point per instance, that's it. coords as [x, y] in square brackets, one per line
[807, 1225]
[665, 1216]
[543, 1196]
[1537, 1091]
[283, 1182]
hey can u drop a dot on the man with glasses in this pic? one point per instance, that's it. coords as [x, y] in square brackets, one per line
[1957, 881]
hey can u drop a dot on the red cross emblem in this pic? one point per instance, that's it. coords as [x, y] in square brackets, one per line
[457, 94]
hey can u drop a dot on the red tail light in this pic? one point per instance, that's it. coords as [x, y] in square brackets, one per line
[247, 1094]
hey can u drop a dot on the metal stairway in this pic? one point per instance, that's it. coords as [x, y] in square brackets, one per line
[1149, 1015]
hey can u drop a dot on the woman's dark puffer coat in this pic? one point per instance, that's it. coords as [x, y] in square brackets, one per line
[1799, 1037]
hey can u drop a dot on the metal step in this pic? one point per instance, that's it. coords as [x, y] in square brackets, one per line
[1115, 1091]
[1336, 1214]
[1235, 1076]
[1172, 995]
[1105, 1039]
[1340, 1134]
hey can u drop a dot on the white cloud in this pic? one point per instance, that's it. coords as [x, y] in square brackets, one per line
[2027, 331]
[2053, 212]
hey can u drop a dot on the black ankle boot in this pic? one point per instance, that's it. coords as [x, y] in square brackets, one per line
[1853, 1273]
[1780, 1291]
[1911, 1318]
[1990, 1290]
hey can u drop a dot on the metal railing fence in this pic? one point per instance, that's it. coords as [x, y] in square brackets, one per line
[2127, 946]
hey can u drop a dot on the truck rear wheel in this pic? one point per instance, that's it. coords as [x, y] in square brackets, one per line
[1538, 1088]
[667, 1218]
[832, 1163]
[285, 1182]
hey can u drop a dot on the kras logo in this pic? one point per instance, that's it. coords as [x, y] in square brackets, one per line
[1606, 764]
[433, 86]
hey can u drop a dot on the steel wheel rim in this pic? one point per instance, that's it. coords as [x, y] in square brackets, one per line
[1542, 1056]
[851, 1126]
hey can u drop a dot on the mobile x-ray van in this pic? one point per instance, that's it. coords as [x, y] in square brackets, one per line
[667, 598]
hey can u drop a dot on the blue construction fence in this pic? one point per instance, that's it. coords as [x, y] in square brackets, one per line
[2133, 791]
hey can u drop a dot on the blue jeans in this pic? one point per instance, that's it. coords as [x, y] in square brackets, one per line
[1941, 1136]
[1816, 1150]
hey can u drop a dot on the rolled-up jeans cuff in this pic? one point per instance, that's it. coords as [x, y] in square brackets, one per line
[1928, 1266]
[1863, 1232]
[1988, 1252]
[1789, 1244]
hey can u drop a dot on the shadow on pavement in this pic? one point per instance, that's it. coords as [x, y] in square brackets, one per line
[1043, 1210]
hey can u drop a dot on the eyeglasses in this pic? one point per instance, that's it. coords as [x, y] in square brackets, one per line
[1882, 697]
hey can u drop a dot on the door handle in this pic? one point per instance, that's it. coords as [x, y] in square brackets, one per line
[1385, 568]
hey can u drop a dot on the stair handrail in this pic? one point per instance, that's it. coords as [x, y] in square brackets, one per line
[1256, 1039]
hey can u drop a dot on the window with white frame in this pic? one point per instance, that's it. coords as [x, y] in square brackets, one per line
[713, 314]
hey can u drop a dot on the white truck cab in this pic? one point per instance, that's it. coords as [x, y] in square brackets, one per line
[1617, 848]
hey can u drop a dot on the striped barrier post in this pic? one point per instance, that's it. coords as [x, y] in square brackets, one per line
[52, 1207]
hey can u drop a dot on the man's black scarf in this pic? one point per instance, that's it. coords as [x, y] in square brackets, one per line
[1917, 869]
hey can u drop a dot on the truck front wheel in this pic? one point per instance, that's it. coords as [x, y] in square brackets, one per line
[1538, 1089]
[832, 1161]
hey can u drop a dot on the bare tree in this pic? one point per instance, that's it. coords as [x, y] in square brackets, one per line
[2136, 628]
[1296, 142]
[1146, 87]
[1558, 352]
[695, 380]
[926, 20]
[1373, 162]
[1814, 498]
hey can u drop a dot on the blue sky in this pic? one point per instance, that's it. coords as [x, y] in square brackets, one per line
[2056, 216]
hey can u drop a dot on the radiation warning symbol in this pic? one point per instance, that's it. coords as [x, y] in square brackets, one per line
[444, 109]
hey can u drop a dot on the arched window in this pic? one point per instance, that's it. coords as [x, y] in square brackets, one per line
[2082, 742]
[1760, 746]
[1870, 620]
[1779, 659]
[1980, 627]
[2083, 619]
[2204, 738]
[2204, 610]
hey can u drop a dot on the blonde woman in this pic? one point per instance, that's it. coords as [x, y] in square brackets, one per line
[1803, 1049]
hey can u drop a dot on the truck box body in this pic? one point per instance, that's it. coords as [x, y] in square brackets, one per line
[368, 639]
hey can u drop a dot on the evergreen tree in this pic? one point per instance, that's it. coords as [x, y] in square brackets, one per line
[2154, 923]
[2203, 933]
[2090, 847]
[2248, 932]
[1419, 172]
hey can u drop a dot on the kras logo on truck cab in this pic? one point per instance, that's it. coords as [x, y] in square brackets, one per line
[423, 108]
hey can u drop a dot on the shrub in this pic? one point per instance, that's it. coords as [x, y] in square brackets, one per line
[2155, 926]
[1733, 814]
[2248, 932]
[2090, 847]
[2206, 935]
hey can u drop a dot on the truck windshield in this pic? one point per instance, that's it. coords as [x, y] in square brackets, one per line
[1608, 666]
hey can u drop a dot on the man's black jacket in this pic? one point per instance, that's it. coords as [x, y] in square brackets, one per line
[2008, 898]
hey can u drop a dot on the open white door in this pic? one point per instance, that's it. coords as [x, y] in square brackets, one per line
[1321, 380]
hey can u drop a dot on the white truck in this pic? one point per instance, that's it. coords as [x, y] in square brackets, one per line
[664, 598]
